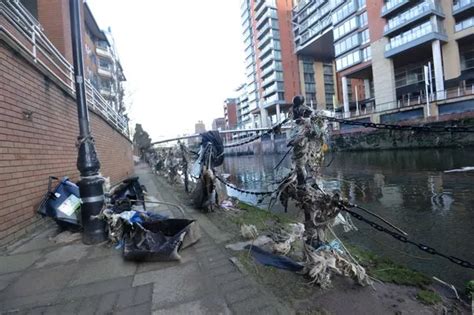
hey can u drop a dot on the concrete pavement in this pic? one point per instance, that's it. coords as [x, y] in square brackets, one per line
[44, 274]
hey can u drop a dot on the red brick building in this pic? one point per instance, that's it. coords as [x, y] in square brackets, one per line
[38, 115]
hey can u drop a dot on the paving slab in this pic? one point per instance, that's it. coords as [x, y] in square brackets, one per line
[37, 281]
[96, 288]
[104, 250]
[7, 279]
[174, 285]
[215, 305]
[16, 304]
[36, 241]
[63, 255]
[13, 263]
[103, 269]
[187, 256]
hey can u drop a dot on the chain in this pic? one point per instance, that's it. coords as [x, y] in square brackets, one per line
[274, 129]
[404, 239]
[249, 192]
[400, 127]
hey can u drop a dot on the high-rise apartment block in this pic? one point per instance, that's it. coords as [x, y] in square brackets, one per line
[362, 59]
[271, 65]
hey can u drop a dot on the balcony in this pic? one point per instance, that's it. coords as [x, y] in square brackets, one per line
[406, 19]
[393, 6]
[419, 35]
[103, 52]
[271, 13]
[268, 70]
[263, 31]
[316, 30]
[314, 18]
[105, 72]
[267, 38]
[107, 92]
[462, 6]
[464, 29]
[272, 89]
[260, 8]
[301, 5]
[270, 58]
[272, 46]
[275, 76]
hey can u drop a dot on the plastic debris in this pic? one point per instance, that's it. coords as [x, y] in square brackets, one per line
[277, 261]
[62, 203]
[259, 241]
[296, 231]
[249, 231]
[160, 240]
[227, 204]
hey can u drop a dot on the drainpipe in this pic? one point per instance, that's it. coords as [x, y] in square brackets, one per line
[90, 185]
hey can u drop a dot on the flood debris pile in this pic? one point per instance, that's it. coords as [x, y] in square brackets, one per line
[308, 143]
[210, 156]
[143, 235]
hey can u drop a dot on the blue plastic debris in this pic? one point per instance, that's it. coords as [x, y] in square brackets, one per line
[269, 259]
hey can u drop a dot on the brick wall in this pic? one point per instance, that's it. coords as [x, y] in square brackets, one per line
[33, 149]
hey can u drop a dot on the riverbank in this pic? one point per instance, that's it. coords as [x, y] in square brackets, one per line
[404, 291]
[416, 190]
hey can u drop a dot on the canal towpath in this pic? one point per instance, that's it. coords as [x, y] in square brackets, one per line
[50, 274]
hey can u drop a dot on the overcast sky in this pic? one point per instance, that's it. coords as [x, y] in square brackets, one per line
[182, 58]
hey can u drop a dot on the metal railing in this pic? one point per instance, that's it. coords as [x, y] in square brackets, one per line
[27, 34]
[461, 4]
[438, 96]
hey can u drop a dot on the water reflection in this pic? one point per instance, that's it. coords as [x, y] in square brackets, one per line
[409, 188]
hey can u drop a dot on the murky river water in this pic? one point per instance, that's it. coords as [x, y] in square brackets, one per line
[409, 188]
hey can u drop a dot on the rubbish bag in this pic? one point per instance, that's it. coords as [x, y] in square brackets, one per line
[62, 203]
[269, 259]
[160, 240]
[121, 196]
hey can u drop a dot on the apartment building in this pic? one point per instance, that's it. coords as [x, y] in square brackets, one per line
[271, 65]
[230, 112]
[102, 66]
[379, 50]
[218, 124]
[245, 120]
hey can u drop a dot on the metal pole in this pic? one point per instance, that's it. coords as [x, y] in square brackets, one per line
[90, 185]
[428, 111]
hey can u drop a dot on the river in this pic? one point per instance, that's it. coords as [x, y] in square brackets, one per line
[410, 188]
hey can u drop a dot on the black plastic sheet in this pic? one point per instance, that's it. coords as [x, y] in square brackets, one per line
[160, 240]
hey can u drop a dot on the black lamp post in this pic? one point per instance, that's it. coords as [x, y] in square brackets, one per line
[90, 185]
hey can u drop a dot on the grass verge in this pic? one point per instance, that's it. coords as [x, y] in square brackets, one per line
[428, 297]
[387, 271]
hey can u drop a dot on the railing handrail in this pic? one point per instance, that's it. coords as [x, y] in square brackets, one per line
[27, 25]
[444, 95]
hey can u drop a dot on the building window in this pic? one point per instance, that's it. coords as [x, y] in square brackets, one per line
[348, 60]
[467, 56]
[411, 74]
[363, 19]
[328, 84]
[31, 6]
[347, 44]
[105, 64]
[366, 54]
[365, 37]
[464, 24]
[345, 28]
[344, 12]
